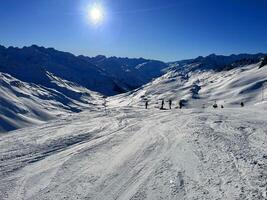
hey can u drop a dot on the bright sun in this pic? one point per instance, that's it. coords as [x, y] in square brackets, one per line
[96, 14]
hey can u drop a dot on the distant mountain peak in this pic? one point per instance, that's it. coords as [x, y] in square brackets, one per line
[212, 55]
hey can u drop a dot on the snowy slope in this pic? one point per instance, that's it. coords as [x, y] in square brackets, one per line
[39, 83]
[59, 80]
[126, 152]
[227, 87]
[23, 104]
[131, 153]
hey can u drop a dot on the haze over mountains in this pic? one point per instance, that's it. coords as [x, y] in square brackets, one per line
[38, 84]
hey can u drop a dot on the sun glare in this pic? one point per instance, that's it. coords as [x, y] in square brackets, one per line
[96, 14]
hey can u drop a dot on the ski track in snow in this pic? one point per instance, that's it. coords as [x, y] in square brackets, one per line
[131, 153]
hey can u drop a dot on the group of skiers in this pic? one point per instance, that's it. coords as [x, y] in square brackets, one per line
[181, 105]
[163, 103]
[215, 105]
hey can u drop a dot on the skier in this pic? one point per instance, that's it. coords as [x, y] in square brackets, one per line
[146, 104]
[242, 104]
[105, 104]
[215, 105]
[170, 104]
[162, 104]
[181, 104]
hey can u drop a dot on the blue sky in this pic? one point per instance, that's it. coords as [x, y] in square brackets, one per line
[166, 30]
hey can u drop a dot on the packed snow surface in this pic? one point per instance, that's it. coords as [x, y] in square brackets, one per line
[133, 153]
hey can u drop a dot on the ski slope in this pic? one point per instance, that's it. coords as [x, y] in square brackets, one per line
[38, 84]
[202, 88]
[126, 152]
[132, 153]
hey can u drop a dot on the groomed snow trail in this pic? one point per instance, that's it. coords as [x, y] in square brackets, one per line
[131, 153]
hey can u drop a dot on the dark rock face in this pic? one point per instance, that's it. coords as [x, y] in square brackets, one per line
[264, 62]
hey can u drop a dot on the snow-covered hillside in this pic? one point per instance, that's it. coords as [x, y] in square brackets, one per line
[245, 83]
[38, 84]
[30, 64]
[108, 76]
[131, 153]
[23, 104]
[98, 148]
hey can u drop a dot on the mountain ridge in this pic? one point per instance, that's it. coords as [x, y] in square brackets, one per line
[38, 84]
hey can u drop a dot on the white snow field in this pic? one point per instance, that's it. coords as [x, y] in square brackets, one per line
[133, 153]
[128, 153]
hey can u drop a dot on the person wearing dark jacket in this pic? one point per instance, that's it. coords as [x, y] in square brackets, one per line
[181, 104]
[146, 104]
[170, 104]
[162, 105]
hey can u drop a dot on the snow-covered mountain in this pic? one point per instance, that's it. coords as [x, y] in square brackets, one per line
[133, 73]
[200, 83]
[38, 84]
[116, 149]
[217, 62]
[108, 76]
[30, 64]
